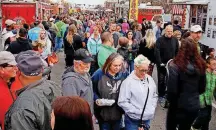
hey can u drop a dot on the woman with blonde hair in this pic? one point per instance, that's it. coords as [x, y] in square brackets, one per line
[146, 47]
[178, 35]
[45, 41]
[72, 42]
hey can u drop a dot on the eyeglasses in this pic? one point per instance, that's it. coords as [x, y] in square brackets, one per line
[143, 70]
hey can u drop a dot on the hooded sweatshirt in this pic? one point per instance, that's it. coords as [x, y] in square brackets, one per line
[75, 84]
[107, 87]
[133, 94]
[20, 45]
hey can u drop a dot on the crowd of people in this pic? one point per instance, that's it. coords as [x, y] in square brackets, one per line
[108, 75]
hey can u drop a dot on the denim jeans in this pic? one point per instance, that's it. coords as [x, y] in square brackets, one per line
[132, 124]
[130, 66]
[110, 125]
[58, 43]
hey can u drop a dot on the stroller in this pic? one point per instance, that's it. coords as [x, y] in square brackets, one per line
[165, 103]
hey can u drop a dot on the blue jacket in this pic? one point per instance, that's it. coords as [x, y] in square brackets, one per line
[33, 34]
[94, 45]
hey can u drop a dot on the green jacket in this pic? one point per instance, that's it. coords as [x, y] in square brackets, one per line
[59, 26]
[207, 97]
[63, 29]
[104, 53]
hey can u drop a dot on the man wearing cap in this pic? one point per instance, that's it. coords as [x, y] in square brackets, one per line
[196, 34]
[21, 44]
[32, 108]
[7, 33]
[33, 34]
[76, 80]
[7, 74]
[53, 27]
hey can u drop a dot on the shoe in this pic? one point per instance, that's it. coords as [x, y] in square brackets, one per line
[193, 128]
[161, 99]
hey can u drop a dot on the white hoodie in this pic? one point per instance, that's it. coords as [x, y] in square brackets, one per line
[133, 94]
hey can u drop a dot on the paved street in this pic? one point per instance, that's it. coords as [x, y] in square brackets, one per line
[159, 121]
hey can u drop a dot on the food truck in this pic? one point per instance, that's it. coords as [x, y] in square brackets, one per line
[22, 11]
[201, 12]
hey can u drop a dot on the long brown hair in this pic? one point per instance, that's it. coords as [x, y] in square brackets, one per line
[110, 60]
[71, 31]
[72, 113]
[188, 53]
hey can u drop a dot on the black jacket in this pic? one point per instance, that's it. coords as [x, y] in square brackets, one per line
[203, 50]
[32, 108]
[19, 45]
[177, 27]
[147, 52]
[166, 49]
[123, 51]
[184, 88]
[144, 28]
[69, 49]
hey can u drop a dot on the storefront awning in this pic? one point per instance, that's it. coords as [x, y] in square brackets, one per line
[190, 2]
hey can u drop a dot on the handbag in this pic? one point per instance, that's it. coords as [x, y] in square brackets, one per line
[142, 124]
[53, 58]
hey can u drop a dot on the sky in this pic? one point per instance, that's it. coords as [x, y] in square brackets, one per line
[92, 2]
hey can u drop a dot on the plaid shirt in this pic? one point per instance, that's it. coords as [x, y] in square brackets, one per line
[207, 97]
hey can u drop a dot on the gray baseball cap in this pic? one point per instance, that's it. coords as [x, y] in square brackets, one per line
[7, 58]
[29, 63]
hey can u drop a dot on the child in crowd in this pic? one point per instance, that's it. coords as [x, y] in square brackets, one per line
[85, 40]
[204, 117]
[210, 53]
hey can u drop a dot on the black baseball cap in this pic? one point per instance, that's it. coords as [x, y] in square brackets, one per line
[83, 55]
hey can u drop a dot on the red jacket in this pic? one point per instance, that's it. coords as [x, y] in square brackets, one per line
[6, 97]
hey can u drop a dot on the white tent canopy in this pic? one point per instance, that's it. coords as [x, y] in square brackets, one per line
[191, 2]
[108, 10]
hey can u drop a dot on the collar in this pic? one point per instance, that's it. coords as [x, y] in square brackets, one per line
[136, 78]
[30, 86]
[108, 47]
[92, 37]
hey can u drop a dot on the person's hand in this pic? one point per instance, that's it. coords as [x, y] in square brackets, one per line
[140, 128]
[98, 102]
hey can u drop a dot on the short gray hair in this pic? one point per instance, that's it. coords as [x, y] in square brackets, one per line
[140, 59]
[169, 26]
